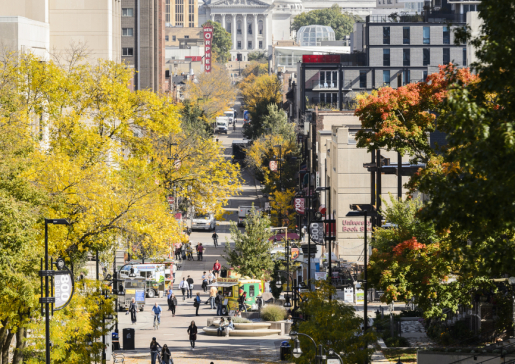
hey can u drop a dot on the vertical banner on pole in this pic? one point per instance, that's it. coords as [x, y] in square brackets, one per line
[208, 39]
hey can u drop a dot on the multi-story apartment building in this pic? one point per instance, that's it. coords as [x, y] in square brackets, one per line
[181, 13]
[143, 42]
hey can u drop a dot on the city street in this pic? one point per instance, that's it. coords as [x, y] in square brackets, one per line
[173, 329]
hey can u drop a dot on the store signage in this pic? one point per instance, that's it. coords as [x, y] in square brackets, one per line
[63, 288]
[320, 276]
[227, 280]
[360, 296]
[273, 166]
[300, 205]
[355, 226]
[317, 232]
[208, 39]
[321, 58]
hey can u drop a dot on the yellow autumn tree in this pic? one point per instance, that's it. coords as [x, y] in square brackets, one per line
[213, 91]
[281, 204]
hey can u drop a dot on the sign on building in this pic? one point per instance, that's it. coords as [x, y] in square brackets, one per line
[317, 232]
[208, 39]
[300, 205]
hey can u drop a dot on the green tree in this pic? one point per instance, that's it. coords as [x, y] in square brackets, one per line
[472, 185]
[257, 56]
[342, 23]
[193, 119]
[222, 42]
[251, 254]
[275, 122]
[332, 324]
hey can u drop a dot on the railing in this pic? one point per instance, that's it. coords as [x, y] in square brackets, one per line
[434, 17]
[285, 60]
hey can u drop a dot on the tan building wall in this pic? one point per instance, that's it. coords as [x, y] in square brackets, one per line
[350, 184]
[173, 34]
[182, 13]
[93, 23]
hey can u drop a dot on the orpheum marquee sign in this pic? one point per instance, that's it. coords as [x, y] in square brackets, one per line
[355, 226]
[208, 40]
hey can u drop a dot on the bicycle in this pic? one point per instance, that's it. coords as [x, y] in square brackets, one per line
[156, 322]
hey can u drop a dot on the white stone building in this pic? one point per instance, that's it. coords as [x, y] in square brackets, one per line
[257, 24]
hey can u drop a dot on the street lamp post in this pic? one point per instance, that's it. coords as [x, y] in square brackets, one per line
[47, 300]
[297, 351]
[364, 210]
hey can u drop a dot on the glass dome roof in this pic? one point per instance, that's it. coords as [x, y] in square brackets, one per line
[313, 35]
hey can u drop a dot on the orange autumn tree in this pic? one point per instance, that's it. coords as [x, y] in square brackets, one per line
[399, 119]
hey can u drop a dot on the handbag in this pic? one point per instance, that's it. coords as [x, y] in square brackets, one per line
[191, 286]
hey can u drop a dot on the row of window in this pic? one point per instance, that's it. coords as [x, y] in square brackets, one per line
[402, 79]
[228, 27]
[426, 56]
[426, 35]
[249, 44]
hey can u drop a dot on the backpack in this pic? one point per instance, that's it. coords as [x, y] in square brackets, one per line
[217, 300]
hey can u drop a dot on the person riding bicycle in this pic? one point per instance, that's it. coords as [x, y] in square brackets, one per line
[157, 311]
[215, 237]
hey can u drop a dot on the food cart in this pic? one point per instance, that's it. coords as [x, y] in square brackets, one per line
[133, 287]
[231, 288]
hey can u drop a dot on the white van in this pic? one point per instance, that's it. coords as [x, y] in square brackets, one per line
[204, 222]
[229, 114]
[221, 124]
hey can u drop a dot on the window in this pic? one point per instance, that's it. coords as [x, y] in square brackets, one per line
[179, 13]
[249, 44]
[424, 75]
[446, 55]
[127, 52]
[260, 27]
[251, 290]
[128, 12]
[386, 57]
[386, 77]
[406, 57]
[406, 76]
[228, 28]
[328, 79]
[167, 38]
[127, 32]
[386, 35]
[191, 13]
[249, 28]
[186, 37]
[362, 79]
[174, 38]
[426, 35]
[239, 44]
[329, 99]
[464, 56]
[405, 35]
[238, 29]
[426, 56]
[260, 44]
[167, 11]
[446, 35]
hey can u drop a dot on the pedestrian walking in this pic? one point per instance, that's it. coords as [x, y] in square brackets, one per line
[192, 331]
[196, 303]
[242, 301]
[201, 251]
[154, 348]
[210, 277]
[204, 282]
[190, 287]
[169, 299]
[197, 248]
[157, 311]
[183, 287]
[212, 295]
[219, 300]
[132, 309]
[166, 356]
[183, 251]
[178, 251]
[216, 268]
[174, 270]
[173, 305]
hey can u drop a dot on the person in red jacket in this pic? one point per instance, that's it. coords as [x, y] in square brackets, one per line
[216, 268]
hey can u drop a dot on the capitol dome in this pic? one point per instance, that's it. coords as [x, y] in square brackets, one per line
[313, 35]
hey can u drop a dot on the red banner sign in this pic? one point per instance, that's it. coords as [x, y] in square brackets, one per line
[322, 58]
[208, 39]
[273, 166]
[299, 204]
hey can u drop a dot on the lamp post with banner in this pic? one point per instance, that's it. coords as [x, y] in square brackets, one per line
[62, 279]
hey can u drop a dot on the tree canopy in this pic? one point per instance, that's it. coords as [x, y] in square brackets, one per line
[342, 23]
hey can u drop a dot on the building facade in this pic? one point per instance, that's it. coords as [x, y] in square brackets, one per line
[143, 42]
[181, 13]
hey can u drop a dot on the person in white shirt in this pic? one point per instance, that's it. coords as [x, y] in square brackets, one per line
[184, 287]
[174, 269]
[210, 277]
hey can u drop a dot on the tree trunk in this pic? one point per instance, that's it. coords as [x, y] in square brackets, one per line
[21, 343]
[5, 347]
[3, 336]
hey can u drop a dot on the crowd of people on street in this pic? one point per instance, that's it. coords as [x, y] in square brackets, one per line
[184, 251]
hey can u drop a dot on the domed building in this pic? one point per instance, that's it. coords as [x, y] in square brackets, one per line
[314, 35]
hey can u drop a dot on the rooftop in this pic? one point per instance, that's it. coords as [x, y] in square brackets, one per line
[434, 17]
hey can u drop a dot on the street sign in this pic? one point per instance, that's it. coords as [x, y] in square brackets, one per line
[171, 200]
[273, 166]
[63, 288]
[177, 164]
[317, 232]
[333, 361]
[300, 205]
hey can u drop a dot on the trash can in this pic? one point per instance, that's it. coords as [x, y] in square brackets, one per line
[285, 350]
[128, 339]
